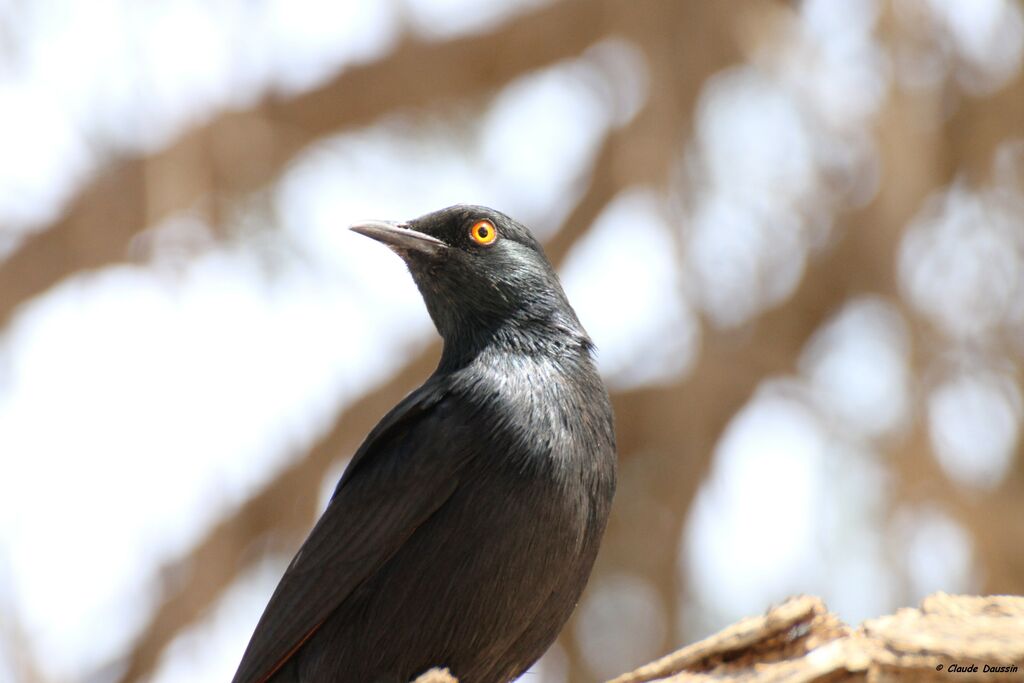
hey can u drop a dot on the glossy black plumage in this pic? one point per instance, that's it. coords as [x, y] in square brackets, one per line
[464, 529]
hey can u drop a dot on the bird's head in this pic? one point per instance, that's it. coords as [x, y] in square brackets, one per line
[484, 279]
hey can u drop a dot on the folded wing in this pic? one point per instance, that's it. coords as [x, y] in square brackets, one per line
[404, 472]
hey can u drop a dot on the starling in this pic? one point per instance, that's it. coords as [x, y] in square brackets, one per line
[466, 525]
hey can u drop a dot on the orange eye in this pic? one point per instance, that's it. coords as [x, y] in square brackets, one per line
[483, 232]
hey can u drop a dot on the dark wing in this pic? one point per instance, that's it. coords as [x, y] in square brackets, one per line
[402, 474]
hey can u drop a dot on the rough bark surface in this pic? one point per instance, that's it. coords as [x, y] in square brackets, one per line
[950, 637]
[800, 641]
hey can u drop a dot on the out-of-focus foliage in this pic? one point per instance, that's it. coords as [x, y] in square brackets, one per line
[794, 230]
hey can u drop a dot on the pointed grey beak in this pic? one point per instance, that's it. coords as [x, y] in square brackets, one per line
[400, 237]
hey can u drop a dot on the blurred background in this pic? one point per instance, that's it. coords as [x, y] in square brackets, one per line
[795, 231]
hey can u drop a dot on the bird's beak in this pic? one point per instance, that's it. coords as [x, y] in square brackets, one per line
[400, 237]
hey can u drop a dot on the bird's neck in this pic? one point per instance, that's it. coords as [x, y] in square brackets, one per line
[552, 335]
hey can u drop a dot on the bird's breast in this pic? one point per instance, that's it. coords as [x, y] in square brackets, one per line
[546, 418]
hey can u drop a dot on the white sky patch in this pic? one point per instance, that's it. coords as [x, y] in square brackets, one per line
[337, 185]
[837, 64]
[449, 18]
[623, 279]
[979, 43]
[853, 572]
[974, 424]
[753, 138]
[181, 85]
[751, 536]
[211, 651]
[329, 483]
[741, 259]
[7, 667]
[961, 259]
[937, 551]
[747, 240]
[43, 157]
[621, 624]
[988, 35]
[857, 368]
[309, 40]
[626, 83]
[553, 667]
[12, 655]
[80, 56]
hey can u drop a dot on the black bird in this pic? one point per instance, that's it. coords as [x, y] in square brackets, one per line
[465, 527]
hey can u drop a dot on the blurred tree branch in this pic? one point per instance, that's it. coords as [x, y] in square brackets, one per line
[15, 647]
[800, 640]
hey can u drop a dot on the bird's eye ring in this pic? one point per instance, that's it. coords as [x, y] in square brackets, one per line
[483, 232]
